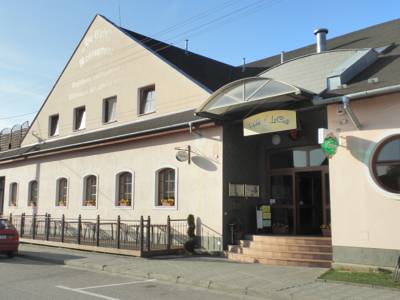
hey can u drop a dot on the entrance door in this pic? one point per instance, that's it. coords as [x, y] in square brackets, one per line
[309, 194]
[281, 201]
[2, 182]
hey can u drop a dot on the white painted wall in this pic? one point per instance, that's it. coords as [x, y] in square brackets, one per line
[362, 214]
[199, 184]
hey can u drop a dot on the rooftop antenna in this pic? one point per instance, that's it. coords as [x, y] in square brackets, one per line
[119, 14]
[186, 46]
[244, 64]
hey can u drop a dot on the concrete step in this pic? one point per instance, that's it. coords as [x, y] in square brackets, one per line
[282, 262]
[293, 240]
[276, 246]
[262, 253]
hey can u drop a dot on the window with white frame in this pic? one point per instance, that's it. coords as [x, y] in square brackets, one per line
[166, 187]
[124, 189]
[33, 193]
[109, 109]
[53, 125]
[13, 194]
[79, 118]
[147, 99]
[62, 192]
[90, 191]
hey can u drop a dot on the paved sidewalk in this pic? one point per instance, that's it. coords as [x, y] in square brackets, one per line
[272, 282]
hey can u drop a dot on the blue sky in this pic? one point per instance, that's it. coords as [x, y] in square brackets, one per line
[38, 37]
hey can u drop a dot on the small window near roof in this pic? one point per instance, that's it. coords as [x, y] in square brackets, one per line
[79, 118]
[90, 191]
[62, 192]
[109, 109]
[33, 193]
[53, 125]
[147, 100]
[13, 194]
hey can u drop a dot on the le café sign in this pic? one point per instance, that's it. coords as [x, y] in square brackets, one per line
[270, 121]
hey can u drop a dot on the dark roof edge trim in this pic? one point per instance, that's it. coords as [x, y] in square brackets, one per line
[125, 32]
[110, 139]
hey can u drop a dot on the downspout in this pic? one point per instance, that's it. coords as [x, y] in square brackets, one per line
[345, 100]
[350, 113]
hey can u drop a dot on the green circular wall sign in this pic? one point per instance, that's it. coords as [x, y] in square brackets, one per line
[329, 146]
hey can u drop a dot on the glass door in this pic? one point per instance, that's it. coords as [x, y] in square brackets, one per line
[281, 201]
[309, 201]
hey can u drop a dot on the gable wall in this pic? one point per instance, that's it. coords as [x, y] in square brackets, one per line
[108, 63]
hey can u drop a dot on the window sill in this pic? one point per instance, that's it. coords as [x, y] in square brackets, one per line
[62, 207]
[148, 113]
[78, 130]
[123, 207]
[53, 136]
[165, 207]
[89, 207]
[109, 122]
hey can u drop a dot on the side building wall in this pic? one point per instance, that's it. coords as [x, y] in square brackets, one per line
[365, 219]
[199, 184]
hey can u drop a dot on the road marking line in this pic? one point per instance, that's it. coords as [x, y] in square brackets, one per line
[86, 293]
[115, 284]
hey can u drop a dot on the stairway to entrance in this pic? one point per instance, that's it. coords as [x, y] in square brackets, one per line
[302, 251]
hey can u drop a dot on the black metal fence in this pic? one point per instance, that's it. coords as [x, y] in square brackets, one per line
[139, 235]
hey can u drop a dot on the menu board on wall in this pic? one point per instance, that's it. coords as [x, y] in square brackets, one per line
[264, 216]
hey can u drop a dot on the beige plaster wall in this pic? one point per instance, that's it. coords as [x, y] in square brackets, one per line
[363, 215]
[199, 184]
[109, 63]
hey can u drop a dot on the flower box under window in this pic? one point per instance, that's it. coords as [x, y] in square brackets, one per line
[168, 202]
[124, 202]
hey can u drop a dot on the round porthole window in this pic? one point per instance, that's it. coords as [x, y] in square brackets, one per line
[385, 164]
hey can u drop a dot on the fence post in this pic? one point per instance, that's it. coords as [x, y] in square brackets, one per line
[48, 218]
[34, 226]
[148, 233]
[79, 228]
[62, 227]
[168, 233]
[21, 231]
[98, 231]
[141, 235]
[119, 232]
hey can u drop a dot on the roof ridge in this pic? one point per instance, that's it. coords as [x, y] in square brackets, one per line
[173, 46]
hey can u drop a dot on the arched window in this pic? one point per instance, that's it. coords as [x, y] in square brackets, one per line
[13, 194]
[33, 193]
[124, 189]
[62, 192]
[166, 187]
[386, 164]
[90, 191]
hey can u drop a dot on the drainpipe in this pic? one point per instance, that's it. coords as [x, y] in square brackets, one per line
[346, 100]
[350, 113]
[358, 95]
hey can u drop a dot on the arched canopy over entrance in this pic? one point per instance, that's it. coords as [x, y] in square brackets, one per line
[249, 94]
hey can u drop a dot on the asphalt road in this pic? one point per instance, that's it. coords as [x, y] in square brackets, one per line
[22, 278]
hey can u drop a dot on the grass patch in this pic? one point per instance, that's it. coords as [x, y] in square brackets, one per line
[378, 278]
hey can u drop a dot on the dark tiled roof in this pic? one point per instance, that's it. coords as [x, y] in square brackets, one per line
[178, 120]
[208, 72]
[386, 68]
